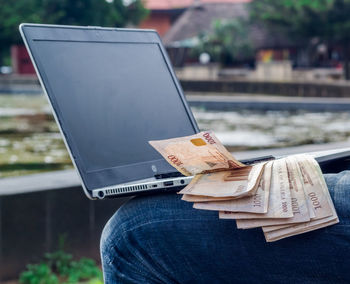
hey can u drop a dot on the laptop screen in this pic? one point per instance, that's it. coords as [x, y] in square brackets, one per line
[111, 98]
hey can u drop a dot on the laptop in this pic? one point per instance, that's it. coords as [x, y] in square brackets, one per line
[111, 91]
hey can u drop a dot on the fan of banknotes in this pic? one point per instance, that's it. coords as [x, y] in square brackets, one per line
[285, 196]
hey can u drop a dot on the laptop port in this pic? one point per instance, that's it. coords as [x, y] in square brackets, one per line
[168, 183]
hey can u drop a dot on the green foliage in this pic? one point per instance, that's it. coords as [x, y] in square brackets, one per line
[84, 269]
[78, 12]
[59, 267]
[95, 281]
[228, 42]
[38, 274]
[327, 19]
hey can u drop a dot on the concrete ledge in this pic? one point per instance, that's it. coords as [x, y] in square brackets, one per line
[293, 89]
[39, 182]
[19, 79]
[20, 84]
[19, 89]
[217, 101]
[30, 85]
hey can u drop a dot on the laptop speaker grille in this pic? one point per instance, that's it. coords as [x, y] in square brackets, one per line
[126, 189]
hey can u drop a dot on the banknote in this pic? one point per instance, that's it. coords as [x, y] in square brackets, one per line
[285, 197]
[258, 203]
[196, 154]
[221, 184]
[305, 178]
[279, 205]
[315, 187]
[200, 198]
[298, 229]
[298, 199]
[274, 227]
[325, 213]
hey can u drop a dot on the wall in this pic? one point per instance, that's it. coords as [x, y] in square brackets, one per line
[157, 21]
[21, 62]
[31, 221]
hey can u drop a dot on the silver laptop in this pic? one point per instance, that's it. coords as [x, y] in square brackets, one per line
[111, 91]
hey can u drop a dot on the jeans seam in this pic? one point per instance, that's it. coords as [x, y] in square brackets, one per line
[134, 254]
[161, 221]
[141, 261]
[135, 266]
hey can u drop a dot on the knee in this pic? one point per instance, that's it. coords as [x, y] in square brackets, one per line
[108, 238]
[115, 238]
[121, 246]
[126, 229]
[113, 249]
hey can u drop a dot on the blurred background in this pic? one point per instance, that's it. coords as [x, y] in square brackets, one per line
[267, 76]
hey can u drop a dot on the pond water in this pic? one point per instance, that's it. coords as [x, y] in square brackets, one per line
[250, 130]
[29, 137]
[30, 141]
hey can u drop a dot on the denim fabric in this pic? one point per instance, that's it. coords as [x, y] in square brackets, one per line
[162, 239]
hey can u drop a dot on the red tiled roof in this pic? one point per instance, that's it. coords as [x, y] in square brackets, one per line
[225, 1]
[166, 4]
[178, 4]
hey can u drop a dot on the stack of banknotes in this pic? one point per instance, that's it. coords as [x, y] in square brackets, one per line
[285, 196]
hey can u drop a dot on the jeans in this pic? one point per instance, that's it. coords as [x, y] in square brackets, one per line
[162, 239]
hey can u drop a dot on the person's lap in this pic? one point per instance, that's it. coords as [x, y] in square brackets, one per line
[162, 239]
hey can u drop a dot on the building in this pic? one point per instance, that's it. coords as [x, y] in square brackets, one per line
[163, 13]
[199, 18]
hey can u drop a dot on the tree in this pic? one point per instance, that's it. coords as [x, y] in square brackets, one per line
[112, 13]
[227, 43]
[325, 20]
